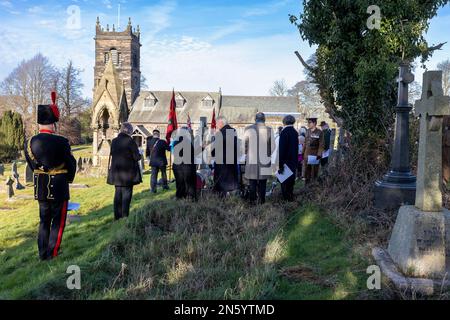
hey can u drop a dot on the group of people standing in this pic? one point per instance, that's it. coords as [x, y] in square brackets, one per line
[247, 172]
[239, 165]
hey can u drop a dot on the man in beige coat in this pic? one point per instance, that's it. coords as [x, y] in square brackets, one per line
[259, 146]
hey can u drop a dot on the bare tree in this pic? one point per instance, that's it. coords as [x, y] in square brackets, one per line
[69, 86]
[29, 85]
[445, 67]
[415, 92]
[279, 88]
[144, 85]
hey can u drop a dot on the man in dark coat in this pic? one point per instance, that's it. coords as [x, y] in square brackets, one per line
[54, 167]
[288, 155]
[156, 153]
[184, 167]
[124, 171]
[226, 163]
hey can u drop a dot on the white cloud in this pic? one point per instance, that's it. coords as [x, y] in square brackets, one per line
[6, 4]
[247, 67]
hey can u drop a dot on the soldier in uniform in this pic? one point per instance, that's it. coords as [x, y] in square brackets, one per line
[50, 157]
[314, 146]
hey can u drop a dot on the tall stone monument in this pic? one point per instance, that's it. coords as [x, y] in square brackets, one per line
[418, 242]
[398, 186]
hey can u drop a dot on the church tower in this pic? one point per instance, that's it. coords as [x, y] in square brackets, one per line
[124, 48]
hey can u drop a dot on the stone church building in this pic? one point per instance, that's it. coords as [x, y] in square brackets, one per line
[118, 97]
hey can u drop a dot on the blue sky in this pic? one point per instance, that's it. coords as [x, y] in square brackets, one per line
[240, 46]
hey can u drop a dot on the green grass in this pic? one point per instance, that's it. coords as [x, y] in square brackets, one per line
[171, 249]
[318, 261]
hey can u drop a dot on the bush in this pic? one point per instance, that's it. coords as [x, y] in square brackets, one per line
[12, 136]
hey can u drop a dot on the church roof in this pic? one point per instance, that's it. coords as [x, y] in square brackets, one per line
[110, 82]
[263, 104]
[242, 109]
[153, 106]
[143, 131]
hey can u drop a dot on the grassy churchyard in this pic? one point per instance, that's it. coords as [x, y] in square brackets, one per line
[171, 249]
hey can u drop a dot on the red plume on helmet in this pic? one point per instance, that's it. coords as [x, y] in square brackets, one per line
[53, 106]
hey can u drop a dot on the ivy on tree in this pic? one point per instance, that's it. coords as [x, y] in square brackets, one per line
[355, 68]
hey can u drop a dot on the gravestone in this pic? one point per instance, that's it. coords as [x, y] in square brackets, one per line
[14, 172]
[15, 175]
[79, 165]
[2, 169]
[398, 186]
[9, 188]
[28, 172]
[418, 241]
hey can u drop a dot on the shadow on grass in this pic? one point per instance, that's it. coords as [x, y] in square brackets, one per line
[212, 249]
[24, 276]
[318, 261]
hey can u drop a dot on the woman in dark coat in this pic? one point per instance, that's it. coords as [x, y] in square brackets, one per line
[226, 177]
[288, 155]
[184, 167]
[124, 172]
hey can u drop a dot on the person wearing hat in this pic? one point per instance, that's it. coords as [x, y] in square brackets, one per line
[314, 147]
[50, 157]
[327, 143]
[259, 144]
[157, 157]
[288, 156]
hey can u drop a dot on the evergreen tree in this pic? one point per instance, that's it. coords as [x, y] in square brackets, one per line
[11, 135]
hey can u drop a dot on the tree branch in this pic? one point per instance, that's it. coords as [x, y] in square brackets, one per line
[437, 47]
[303, 62]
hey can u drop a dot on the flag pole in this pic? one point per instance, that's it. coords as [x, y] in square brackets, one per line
[171, 165]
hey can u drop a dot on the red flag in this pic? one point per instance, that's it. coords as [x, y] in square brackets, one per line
[189, 123]
[173, 124]
[213, 121]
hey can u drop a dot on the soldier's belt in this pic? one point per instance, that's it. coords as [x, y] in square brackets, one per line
[51, 172]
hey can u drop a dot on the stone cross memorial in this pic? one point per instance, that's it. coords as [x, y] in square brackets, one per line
[431, 108]
[418, 241]
[398, 186]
